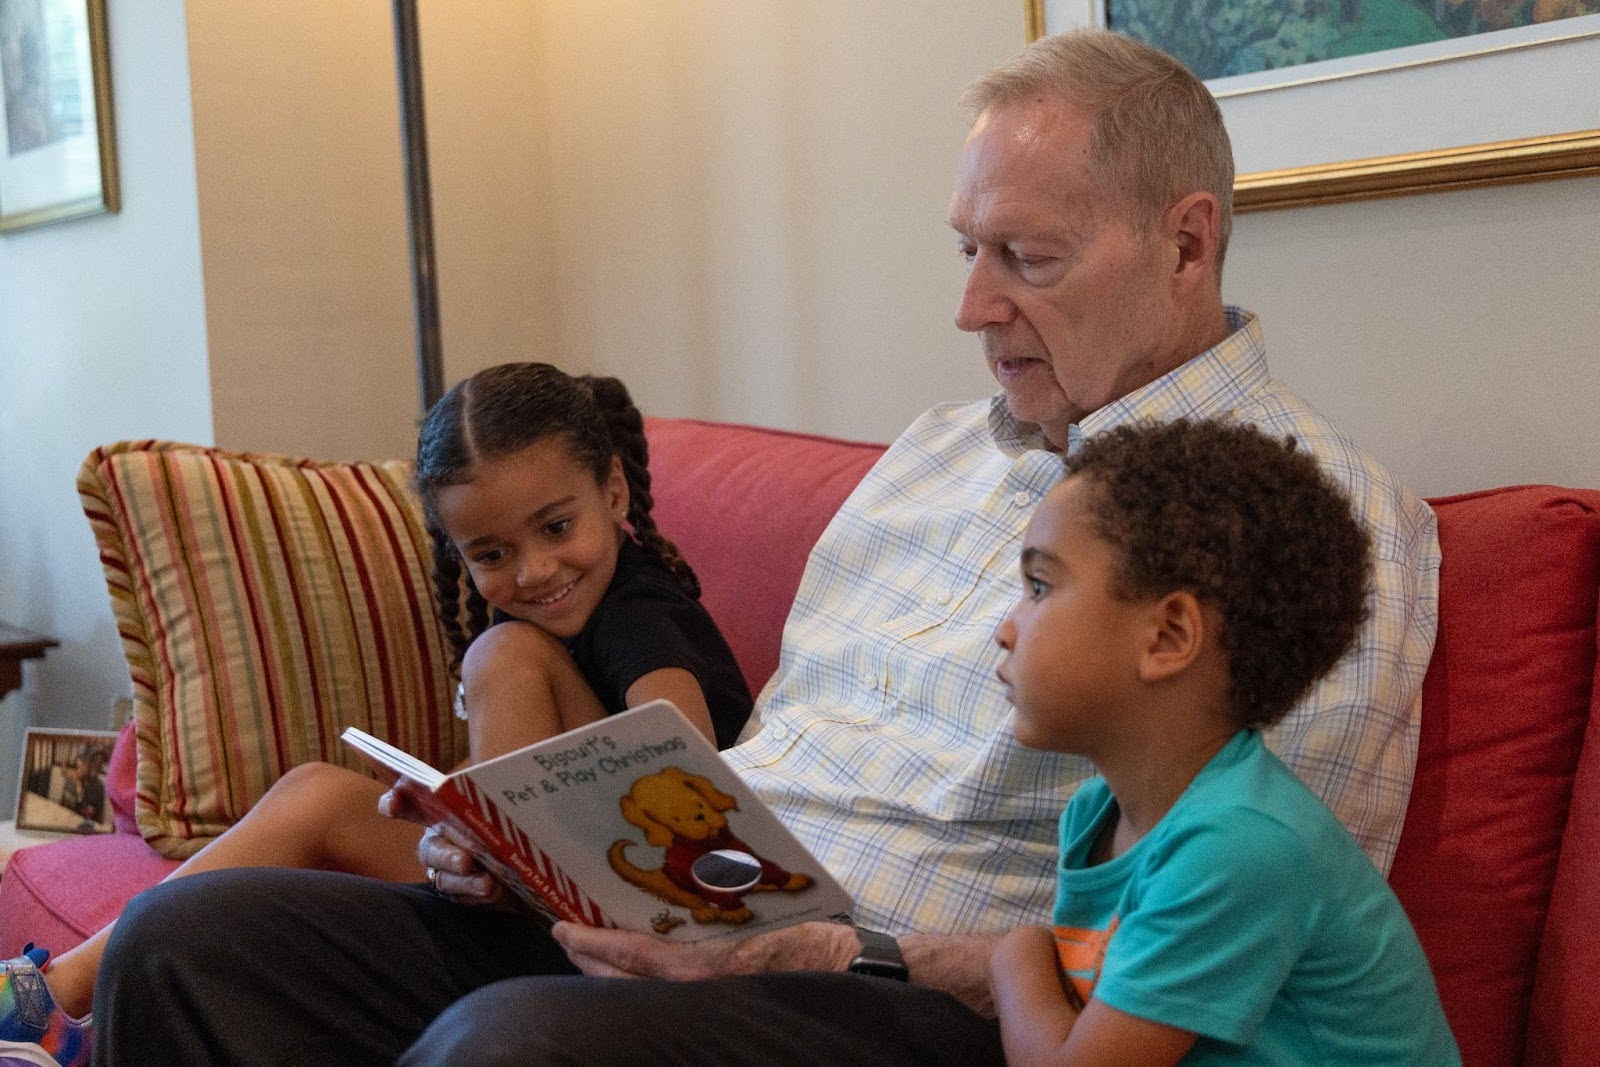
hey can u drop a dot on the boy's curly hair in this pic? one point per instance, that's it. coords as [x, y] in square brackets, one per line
[1249, 524]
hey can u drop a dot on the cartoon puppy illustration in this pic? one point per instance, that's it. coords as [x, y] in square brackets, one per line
[683, 813]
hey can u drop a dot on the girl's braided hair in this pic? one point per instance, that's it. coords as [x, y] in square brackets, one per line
[502, 410]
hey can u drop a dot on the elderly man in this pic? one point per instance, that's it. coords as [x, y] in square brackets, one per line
[1092, 206]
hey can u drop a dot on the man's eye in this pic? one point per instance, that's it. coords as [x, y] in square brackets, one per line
[968, 252]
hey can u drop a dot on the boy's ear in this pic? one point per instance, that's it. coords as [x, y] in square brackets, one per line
[1178, 634]
[616, 489]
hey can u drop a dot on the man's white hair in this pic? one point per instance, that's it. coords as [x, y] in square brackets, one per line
[1157, 131]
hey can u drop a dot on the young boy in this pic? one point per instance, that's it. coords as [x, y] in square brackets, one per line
[1182, 588]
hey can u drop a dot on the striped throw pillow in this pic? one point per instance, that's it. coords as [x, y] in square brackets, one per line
[265, 603]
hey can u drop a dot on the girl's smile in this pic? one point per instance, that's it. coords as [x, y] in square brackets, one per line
[538, 534]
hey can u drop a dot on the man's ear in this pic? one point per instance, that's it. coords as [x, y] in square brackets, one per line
[1194, 225]
[1177, 635]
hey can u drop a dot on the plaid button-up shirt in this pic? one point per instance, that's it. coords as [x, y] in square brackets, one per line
[884, 738]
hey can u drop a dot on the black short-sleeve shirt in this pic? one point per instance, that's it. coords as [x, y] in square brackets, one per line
[647, 622]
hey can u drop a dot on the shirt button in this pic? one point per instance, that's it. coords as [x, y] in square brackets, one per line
[945, 596]
[779, 731]
[1022, 500]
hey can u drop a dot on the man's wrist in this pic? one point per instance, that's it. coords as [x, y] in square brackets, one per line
[812, 946]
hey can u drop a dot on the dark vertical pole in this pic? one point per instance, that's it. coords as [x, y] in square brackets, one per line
[419, 202]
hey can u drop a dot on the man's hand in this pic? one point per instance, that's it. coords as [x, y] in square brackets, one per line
[454, 872]
[621, 954]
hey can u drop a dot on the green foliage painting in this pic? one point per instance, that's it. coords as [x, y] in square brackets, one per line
[1220, 38]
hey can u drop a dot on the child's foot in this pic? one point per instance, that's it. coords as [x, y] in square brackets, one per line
[32, 1029]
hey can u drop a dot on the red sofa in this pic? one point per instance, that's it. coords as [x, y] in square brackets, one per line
[1499, 863]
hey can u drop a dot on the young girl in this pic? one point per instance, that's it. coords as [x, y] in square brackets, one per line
[536, 493]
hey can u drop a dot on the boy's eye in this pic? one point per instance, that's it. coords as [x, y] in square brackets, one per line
[1034, 586]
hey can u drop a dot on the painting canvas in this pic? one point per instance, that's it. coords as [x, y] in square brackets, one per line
[63, 782]
[1229, 38]
[56, 160]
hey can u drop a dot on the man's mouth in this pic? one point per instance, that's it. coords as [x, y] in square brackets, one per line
[1015, 366]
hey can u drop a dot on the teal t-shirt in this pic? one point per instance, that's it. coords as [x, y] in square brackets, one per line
[1249, 916]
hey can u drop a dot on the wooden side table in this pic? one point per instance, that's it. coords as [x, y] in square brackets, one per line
[15, 646]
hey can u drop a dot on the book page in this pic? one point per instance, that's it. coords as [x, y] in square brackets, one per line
[385, 756]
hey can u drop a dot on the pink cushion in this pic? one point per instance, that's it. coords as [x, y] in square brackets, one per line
[745, 505]
[1505, 703]
[58, 894]
[122, 780]
[1563, 1027]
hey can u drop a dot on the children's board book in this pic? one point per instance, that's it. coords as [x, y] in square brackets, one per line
[632, 822]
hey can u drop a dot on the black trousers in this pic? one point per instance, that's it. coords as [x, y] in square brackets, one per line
[267, 966]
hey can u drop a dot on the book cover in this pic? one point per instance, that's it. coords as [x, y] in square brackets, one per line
[634, 822]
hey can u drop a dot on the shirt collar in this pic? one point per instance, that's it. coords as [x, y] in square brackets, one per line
[1211, 384]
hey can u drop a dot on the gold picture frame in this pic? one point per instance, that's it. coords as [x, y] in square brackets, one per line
[62, 785]
[58, 156]
[1541, 158]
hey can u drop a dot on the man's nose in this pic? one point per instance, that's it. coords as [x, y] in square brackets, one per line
[983, 300]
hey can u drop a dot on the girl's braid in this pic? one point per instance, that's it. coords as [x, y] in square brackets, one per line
[448, 580]
[626, 427]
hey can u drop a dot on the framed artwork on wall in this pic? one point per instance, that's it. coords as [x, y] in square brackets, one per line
[1335, 100]
[57, 145]
[63, 781]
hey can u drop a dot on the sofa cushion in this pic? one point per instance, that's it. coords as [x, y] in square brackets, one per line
[122, 776]
[59, 893]
[264, 604]
[1505, 703]
[745, 505]
[1563, 1027]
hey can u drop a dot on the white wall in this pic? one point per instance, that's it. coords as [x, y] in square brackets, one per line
[1456, 335]
[101, 338]
[303, 227]
[748, 201]
[490, 174]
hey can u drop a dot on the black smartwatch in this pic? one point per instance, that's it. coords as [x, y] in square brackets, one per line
[879, 957]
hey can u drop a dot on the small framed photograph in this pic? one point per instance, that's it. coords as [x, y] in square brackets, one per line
[57, 146]
[63, 781]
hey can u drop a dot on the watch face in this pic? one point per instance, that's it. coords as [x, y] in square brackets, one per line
[880, 957]
[878, 968]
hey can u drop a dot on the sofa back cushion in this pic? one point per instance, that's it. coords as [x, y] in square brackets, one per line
[1563, 1026]
[1505, 703]
[264, 603]
[745, 505]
